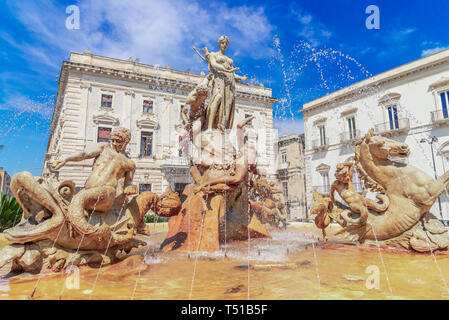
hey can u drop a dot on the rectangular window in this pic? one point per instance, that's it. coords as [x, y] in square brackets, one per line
[147, 106]
[180, 146]
[351, 127]
[285, 190]
[106, 101]
[444, 103]
[326, 185]
[393, 117]
[144, 187]
[322, 136]
[146, 144]
[284, 156]
[251, 121]
[104, 134]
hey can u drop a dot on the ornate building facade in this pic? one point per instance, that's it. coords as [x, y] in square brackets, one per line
[97, 93]
[409, 104]
[291, 175]
[5, 181]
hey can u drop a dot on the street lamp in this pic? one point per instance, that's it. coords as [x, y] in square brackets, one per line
[431, 141]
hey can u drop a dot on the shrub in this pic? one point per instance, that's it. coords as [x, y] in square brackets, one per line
[10, 212]
[151, 218]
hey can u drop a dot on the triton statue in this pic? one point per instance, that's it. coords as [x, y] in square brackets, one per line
[61, 227]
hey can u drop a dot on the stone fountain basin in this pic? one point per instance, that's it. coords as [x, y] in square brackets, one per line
[284, 267]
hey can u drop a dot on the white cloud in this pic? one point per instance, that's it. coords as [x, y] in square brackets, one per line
[313, 31]
[431, 51]
[157, 32]
[399, 35]
[288, 126]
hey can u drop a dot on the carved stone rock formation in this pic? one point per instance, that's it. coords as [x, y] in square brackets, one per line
[210, 218]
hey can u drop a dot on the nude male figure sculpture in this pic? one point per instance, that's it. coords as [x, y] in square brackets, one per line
[111, 176]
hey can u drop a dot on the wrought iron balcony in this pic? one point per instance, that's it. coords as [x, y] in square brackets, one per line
[396, 126]
[440, 117]
[320, 144]
[324, 190]
[350, 136]
[175, 162]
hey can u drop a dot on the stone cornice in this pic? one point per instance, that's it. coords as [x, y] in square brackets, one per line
[376, 82]
[287, 140]
[390, 97]
[156, 80]
[106, 118]
[442, 82]
[349, 111]
[320, 120]
[147, 123]
[323, 168]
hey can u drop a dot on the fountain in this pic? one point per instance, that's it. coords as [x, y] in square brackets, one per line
[62, 227]
[223, 222]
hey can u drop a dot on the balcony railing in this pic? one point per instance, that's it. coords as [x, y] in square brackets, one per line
[440, 117]
[395, 126]
[320, 144]
[324, 190]
[175, 162]
[350, 136]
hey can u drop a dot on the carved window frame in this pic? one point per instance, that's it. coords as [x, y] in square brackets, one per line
[146, 97]
[349, 114]
[437, 88]
[108, 92]
[391, 100]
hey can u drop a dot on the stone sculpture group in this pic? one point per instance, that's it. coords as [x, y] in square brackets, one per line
[405, 195]
[229, 200]
[61, 227]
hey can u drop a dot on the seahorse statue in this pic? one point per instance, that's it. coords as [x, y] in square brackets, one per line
[410, 192]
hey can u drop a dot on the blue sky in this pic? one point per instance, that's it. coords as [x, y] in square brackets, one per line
[301, 49]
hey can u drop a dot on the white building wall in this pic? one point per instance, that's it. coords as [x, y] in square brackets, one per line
[416, 102]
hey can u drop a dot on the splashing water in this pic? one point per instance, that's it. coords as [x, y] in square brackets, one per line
[308, 73]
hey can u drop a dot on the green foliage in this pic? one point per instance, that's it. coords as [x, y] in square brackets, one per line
[151, 218]
[10, 211]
